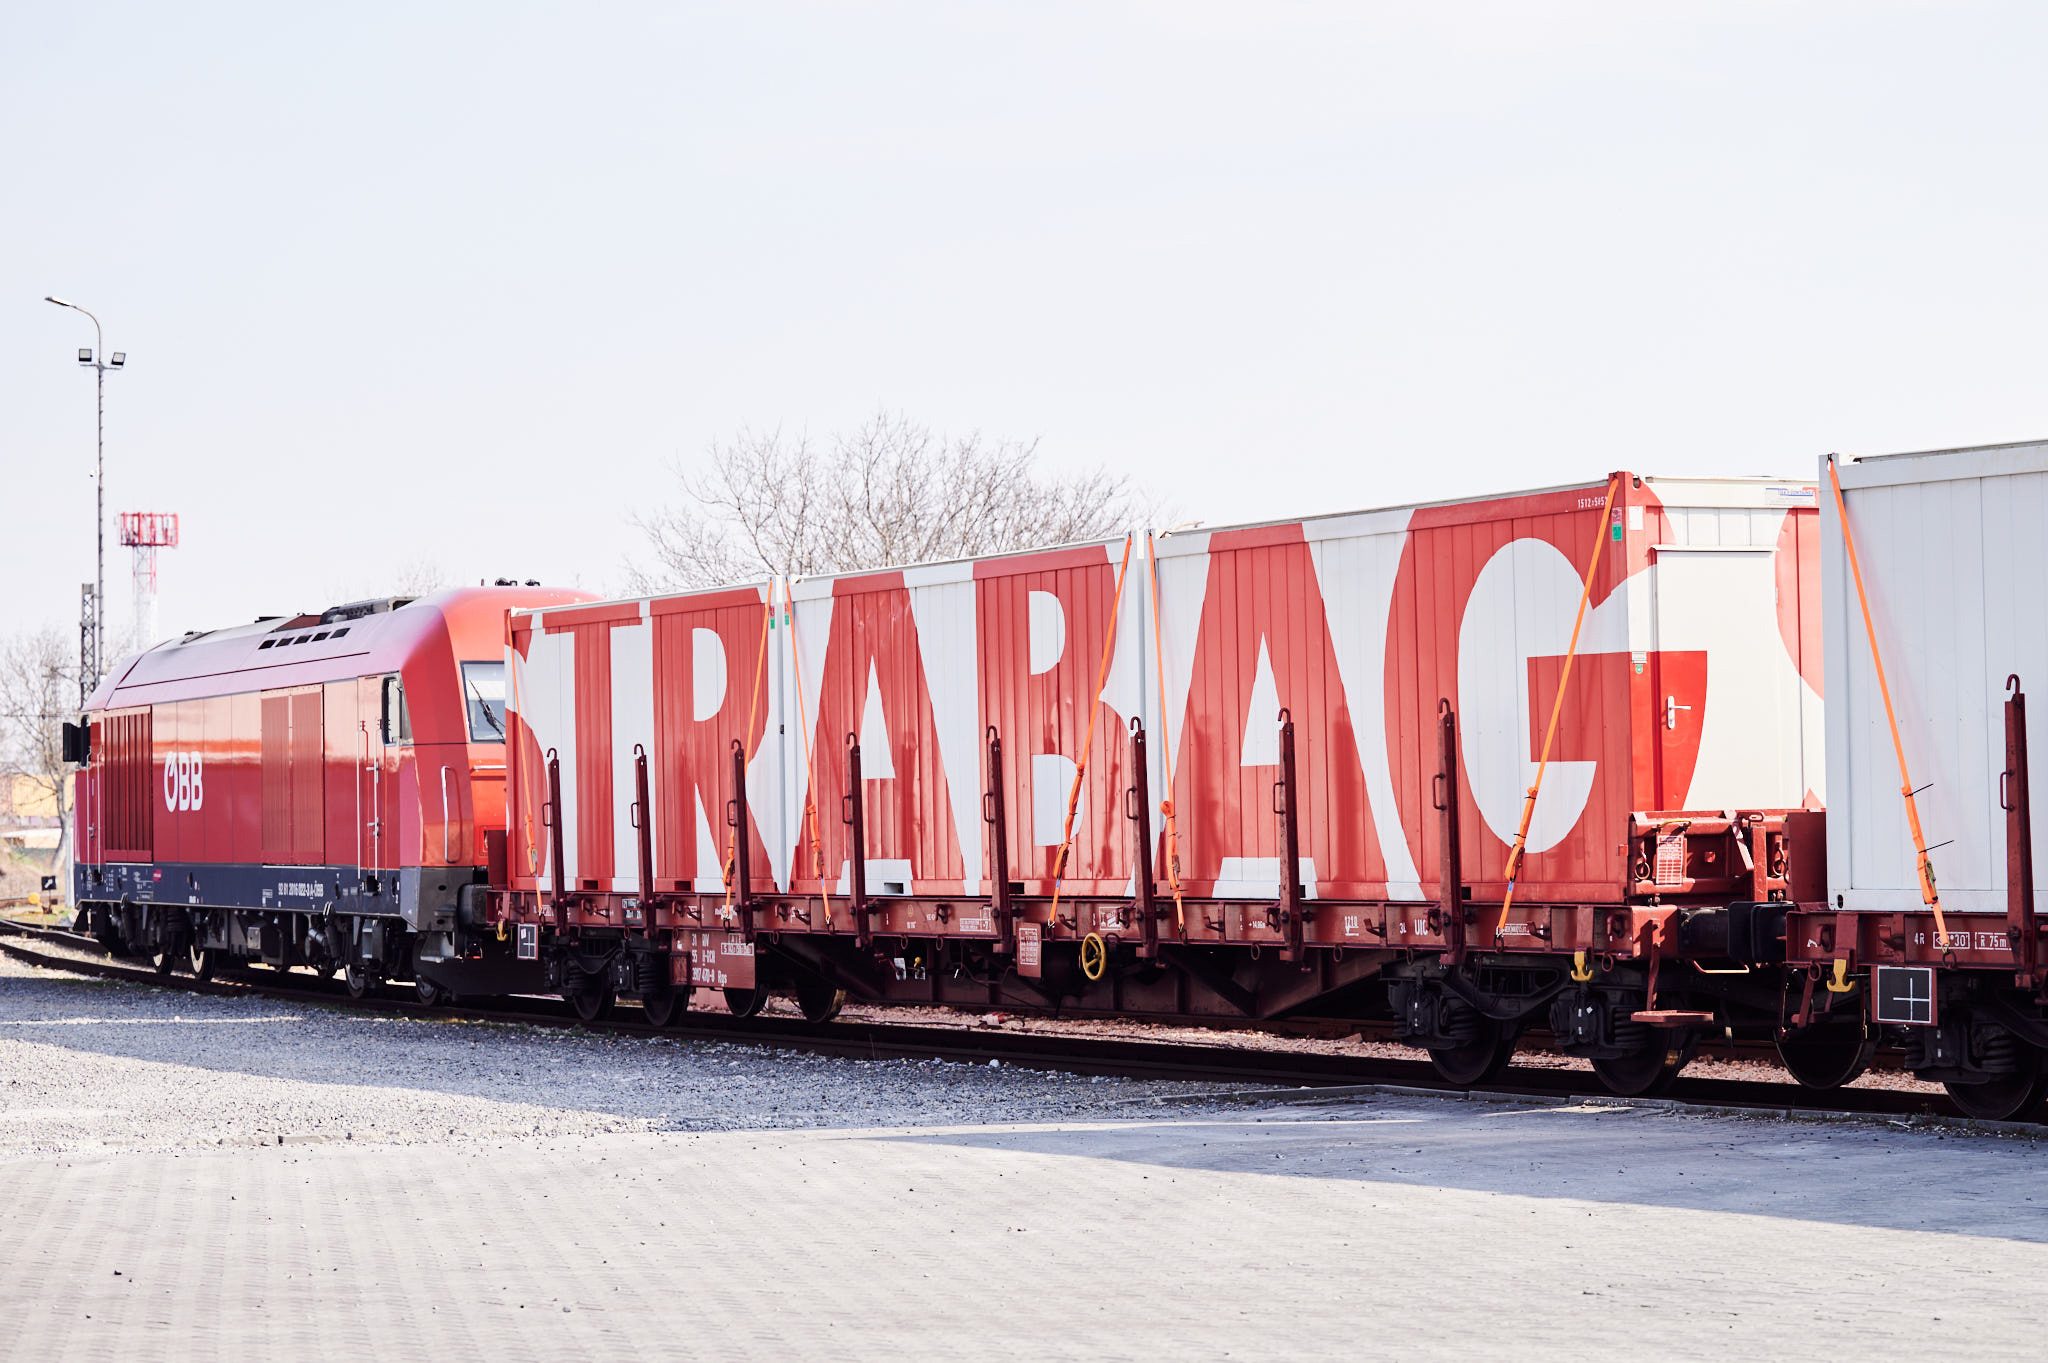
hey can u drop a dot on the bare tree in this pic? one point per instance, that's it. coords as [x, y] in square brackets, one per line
[38, 694]
[889, 492]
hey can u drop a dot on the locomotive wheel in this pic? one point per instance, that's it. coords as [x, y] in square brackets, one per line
[745, 1003]
[2001, 1099]
[1478, 1061]
[359, 982]
[1828, 1056]
[819, 1001]
[164, 959]
[664, 1010]
[1645, 1072]
[202, 960]
[592, 1001]
[431, 994]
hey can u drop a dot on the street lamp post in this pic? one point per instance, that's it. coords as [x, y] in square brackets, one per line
[92, 630]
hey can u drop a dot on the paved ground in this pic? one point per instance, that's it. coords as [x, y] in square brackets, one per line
[1397, 1229]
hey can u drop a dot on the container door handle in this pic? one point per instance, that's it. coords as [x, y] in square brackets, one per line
[1671, 709]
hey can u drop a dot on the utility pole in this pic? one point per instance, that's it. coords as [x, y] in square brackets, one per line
[92, 624]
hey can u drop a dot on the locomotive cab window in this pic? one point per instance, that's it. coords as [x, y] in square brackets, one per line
[483, 686]
[397, 719]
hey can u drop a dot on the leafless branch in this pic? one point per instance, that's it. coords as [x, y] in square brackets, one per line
[889, 492]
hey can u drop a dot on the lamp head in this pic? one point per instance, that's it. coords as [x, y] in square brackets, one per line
[53, 298]
[85, 357]
[118, 358]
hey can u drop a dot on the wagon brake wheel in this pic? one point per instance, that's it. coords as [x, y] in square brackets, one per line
[1648, 1071]
[1478, 1061]
[592, 1002]
[2000, 1100]
[1828, 1055]
[666, 1009]
[819, 1001]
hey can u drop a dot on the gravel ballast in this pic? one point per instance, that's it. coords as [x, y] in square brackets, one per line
[88, 1064]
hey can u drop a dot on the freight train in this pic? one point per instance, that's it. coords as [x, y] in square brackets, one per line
[1556, 761]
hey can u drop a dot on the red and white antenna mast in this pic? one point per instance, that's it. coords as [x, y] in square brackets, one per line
[146, 532]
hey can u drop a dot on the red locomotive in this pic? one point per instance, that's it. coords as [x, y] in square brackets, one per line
[320, 790]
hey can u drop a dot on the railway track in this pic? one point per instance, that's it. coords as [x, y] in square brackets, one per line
[1268, 1070]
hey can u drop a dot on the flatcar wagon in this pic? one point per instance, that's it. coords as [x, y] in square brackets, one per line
[322, 790]
[1928, 937]
[1476, 766]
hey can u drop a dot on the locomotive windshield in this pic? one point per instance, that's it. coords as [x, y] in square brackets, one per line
[483, 686]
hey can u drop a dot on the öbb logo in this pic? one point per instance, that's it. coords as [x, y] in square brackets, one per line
[184, 783]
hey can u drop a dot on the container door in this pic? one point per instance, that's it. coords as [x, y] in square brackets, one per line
[1724, 692]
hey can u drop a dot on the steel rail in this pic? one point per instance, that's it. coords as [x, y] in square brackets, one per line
[1028, 1050]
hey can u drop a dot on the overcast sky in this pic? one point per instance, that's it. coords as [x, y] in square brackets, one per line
[457, 285]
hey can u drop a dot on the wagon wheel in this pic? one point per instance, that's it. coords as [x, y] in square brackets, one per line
[1828, 1055]
[202, 960]
[359, 982]
[745, 1003]
[1648, 1071]
[2001, 1099]
[1479, 1060]
[666, 1009]
[819, 1001]
[593, 1001]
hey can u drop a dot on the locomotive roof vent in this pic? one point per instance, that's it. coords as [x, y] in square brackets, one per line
[356, 610]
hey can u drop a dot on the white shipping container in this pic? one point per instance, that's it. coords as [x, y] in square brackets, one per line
[1954, 550]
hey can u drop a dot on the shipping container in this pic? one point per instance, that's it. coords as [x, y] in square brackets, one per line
[1697, 686]
[1955, 564]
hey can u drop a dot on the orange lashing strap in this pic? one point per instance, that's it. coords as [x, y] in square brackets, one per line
[1928, 894]
[803, 729]
[1059, 864]
[733, 835]
[1180, 914]
[1515, 851]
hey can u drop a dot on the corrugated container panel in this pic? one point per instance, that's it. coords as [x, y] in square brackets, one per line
[1042, 623]
[1955, 563]
[710, 686]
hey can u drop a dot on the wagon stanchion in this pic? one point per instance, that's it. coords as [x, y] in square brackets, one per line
[1138, 808]
[2022, 928]
[1450, 851]
[856, 822]
[1293, 905]
[994, 815]
[739, 889]
[643, 829]
[551, 816]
